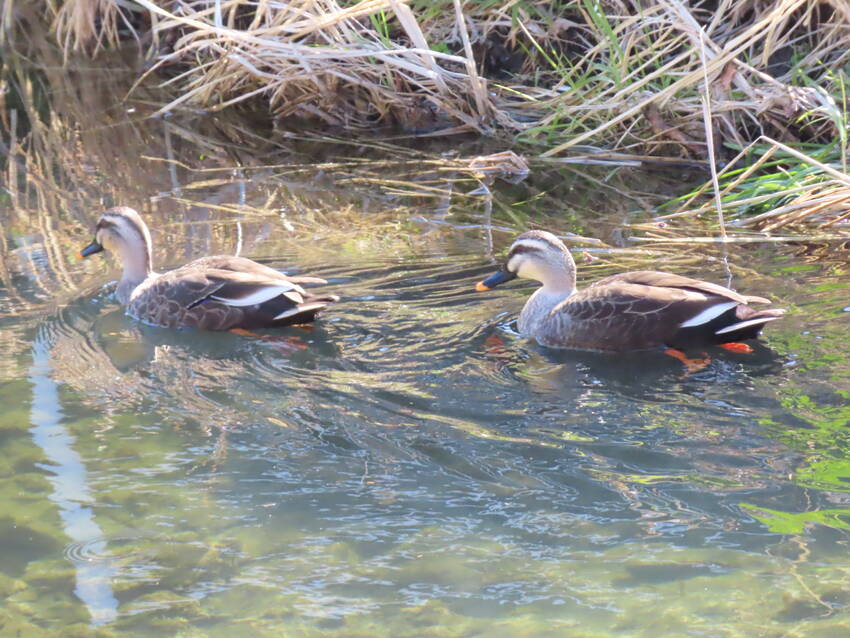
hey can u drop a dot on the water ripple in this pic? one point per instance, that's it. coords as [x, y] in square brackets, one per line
[338, 464]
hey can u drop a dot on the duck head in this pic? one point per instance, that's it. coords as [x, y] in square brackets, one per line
[537, 255]
[121, 230]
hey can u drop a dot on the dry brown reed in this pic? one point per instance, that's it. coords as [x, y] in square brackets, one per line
[321, 61]
[667, 80]
[621, 72]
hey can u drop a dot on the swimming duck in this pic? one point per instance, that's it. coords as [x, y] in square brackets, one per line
[630, 311]
[212, 293]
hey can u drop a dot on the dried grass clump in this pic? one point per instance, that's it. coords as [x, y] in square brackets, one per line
[661, 67]
[670, 78]
[89, 24]
[632, 75]
[321, 61]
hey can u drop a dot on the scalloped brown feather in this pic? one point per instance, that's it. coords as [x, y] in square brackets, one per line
[190, 296]
[628, 311]
[220, 292]
[617, 314]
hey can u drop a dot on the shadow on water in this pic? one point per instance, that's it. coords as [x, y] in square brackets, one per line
[656, 376]
[409, 466]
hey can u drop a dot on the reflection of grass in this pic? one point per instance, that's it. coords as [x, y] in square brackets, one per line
[826, 474]
[813, 420]
[788, 523]
[709, 482]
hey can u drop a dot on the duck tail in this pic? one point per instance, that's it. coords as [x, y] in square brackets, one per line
[306, 311]
[748, 325]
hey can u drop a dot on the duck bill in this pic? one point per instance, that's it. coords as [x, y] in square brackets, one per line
[91, 249]
[494, 280]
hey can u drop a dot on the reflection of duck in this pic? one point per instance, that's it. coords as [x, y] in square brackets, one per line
[646, 376]
[115, 367]
[214, 293]
[630, 311]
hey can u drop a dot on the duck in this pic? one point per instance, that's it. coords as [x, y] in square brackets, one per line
[630, 311]
[220, 292]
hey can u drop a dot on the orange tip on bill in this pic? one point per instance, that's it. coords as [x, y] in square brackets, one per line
[480, 287]
[81, 255]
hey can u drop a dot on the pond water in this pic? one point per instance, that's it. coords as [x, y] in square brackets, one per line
[409, 467]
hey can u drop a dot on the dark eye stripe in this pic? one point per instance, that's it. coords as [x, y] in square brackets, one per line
[522, 249]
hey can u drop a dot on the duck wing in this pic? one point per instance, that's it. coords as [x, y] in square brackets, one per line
[198, 295]
[648, 309]
[245, 265]
[669, 280]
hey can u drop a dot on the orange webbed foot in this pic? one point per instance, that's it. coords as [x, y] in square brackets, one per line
[737, 347]
[691, 365]
[495, 345]
[284, 344]
[245, 333]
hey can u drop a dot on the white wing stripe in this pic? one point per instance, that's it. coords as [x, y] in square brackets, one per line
[305, 308]
[259, 296]
[708, 314]
[744, 324]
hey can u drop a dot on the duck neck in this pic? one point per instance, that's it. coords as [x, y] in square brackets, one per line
[137, 267]
[538, 307]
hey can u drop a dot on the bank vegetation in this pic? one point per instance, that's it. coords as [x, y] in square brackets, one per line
[754, 91]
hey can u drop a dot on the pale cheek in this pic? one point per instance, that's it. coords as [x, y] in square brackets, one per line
[106, 240]
[516, 264]
[527, 271]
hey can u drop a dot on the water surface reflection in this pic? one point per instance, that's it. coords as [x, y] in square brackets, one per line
[409, 466]
[416, 462]
[70, 487]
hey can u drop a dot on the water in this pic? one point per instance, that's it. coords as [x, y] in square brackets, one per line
[410, 466]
